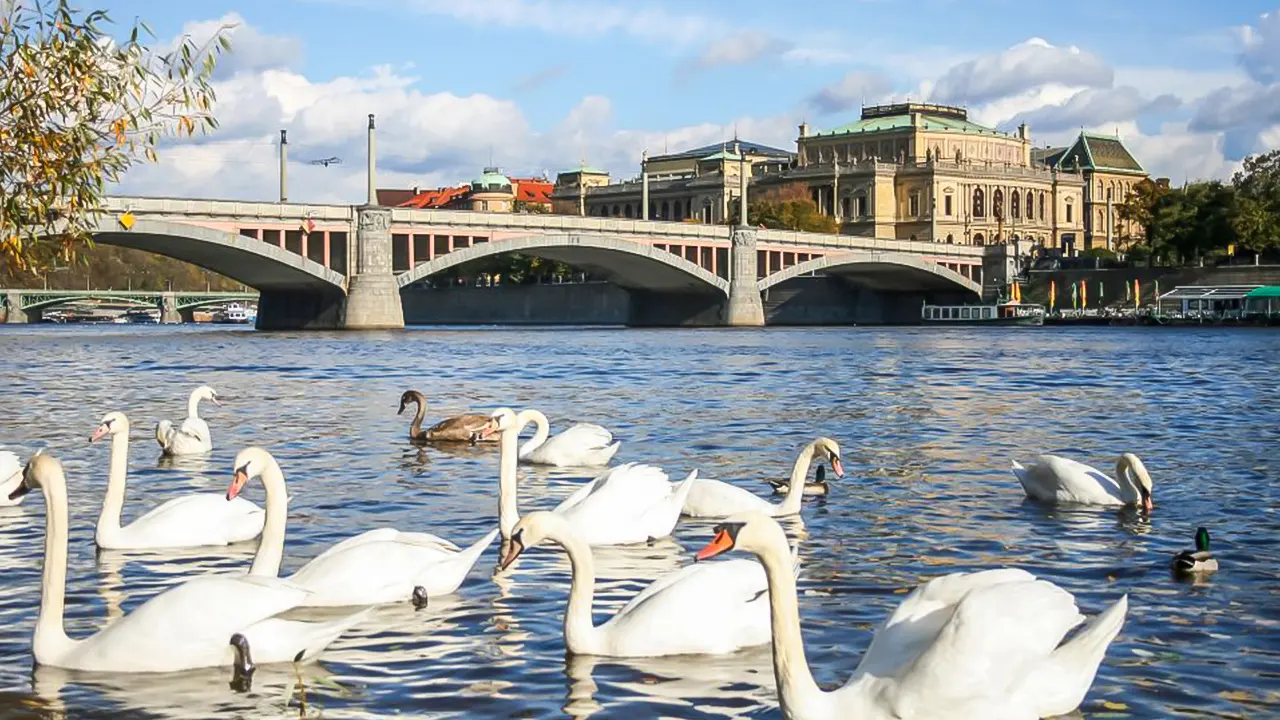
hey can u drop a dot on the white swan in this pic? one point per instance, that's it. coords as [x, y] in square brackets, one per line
[10, 478]
[966, 646]
[192, 437]
[717, 499]
[188, 521]
[1062, 480]
[582, 445]
[703, 609]
[185, 627]
[376, 567]
[627, 504]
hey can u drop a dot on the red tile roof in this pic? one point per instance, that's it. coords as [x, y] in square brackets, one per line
[533, 190]
[438, 198]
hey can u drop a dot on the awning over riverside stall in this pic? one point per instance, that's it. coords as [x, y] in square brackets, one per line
[1209, 292]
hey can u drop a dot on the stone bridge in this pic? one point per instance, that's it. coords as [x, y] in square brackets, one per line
[341, 266]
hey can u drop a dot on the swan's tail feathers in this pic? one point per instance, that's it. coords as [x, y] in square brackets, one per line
[275, 640]
[662, 517]
[164, 433]
[607, 453]
[1020, 472]
[446, 576]
[1064, 678]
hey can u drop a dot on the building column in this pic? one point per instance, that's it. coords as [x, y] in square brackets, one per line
[373, 295]
[644, 185]
[744, 307]
[13, 307]
[327, 260]
[412, 240]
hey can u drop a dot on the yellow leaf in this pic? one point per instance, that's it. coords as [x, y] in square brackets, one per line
[126, 220]
[1114, 705]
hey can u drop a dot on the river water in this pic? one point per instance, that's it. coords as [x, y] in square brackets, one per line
[928, 420]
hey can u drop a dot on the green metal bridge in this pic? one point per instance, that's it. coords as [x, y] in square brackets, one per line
[26, 305]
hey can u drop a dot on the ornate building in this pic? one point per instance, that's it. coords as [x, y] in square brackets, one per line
[1110, 171]
[491, 192]
[904, 171]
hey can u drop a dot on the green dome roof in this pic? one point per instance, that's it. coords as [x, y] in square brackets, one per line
[491, 180]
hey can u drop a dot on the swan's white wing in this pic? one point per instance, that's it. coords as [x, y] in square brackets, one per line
[716, 498]
[1059, 479]
[582, 444]
[376, 535]
[578, 495]
[187, 626]
[915, 624]
[626, 492]
[712, 608]
[995, 636]
[195, 427]
[582, 436]
[369, 573]
[190, 520]
[276, 641]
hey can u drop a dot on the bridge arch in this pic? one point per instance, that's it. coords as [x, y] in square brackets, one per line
[879, 271]
[43, 300]
[628, 263]
[246, 260]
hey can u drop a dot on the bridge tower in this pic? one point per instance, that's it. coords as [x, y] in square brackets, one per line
[373, 295]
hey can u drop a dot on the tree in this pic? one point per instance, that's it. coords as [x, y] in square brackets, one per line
[1139, 208]
[789, 207]
[1257, 187]
[78, 109]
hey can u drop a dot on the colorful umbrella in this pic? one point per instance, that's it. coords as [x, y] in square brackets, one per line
[1053, 294]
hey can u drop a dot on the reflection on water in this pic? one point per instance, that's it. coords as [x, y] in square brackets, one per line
[928, 420]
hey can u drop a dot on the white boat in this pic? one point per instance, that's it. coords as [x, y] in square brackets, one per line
[237, 314]
[1007, 313]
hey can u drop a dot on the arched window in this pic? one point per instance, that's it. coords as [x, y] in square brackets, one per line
[1101, 227]
[677, 211]
[979, 203]
[1070, 208]
[617, 211]
[626, 210]
[844, 207]
[653, 210]
[913, 204]
[860, 205]
[666, 210]
[1042, 215]
[951, 239]
[1030, 206]
[978, 239]
[997, 204]
[1015, 205]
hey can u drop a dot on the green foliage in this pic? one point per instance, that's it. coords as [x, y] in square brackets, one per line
[1099, 252]
[515, 269]
[78, 109]
[789, 208]
[1257, 185]
[523, 206]
[105, 267]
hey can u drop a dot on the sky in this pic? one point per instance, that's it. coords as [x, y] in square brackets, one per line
[538, 86]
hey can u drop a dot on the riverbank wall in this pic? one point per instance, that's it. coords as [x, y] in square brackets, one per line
[1113, 282]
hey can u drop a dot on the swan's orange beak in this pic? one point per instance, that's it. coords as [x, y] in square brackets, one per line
[513, 552]
[237, 484]
[1148, 504]
[719, 544]
[97, 434]
[837, 467]
[490, 428]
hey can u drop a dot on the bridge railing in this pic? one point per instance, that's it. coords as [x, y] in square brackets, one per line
[504, 222]
[230, 209]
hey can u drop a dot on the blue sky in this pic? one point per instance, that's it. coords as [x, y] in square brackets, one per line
[1191, 86]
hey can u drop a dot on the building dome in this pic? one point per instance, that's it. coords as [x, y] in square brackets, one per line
[491, 181]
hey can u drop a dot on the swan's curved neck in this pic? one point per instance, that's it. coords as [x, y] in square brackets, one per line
[790, 505]
[508, 506]
[266, 561]
[415, 427]
[1128, 483]
[799, 694]
[113, 502]
[580, 634]
[540, 435]
[193, 404]
[51, 641]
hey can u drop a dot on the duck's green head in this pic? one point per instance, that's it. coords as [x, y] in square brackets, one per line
[1202, 540]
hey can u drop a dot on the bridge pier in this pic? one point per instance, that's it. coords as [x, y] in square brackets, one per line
[169, 314]
[373, 295]
[13, 308]
[744, 307]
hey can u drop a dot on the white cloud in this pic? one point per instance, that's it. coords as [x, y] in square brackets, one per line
[1260, 53]
[1092, 105]
[740, 48]
[851, 91]
[251, 50]
[1019, 69]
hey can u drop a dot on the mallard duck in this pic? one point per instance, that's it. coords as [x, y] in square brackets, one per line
[818, 486]
[1200, 560]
